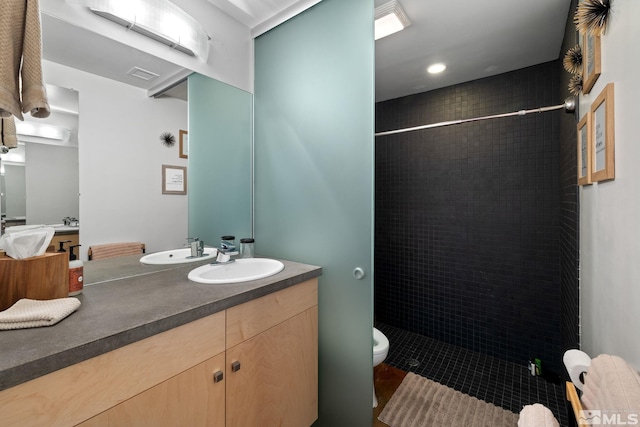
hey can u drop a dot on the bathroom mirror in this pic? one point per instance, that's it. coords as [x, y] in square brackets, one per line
[120, 150]
[123, 81]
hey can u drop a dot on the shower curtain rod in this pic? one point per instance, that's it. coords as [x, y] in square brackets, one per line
[569, 106]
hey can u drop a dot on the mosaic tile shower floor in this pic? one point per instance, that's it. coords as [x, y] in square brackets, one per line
[493, 380]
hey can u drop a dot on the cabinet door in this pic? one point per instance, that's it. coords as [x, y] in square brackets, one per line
[188, 399]
[277, 380]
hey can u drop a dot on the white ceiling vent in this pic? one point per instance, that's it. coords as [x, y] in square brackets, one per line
[142, 74]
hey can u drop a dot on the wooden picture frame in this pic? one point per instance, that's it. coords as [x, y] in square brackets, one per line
[584, 150]
[174, 179]
[591, 64]
[602, 136]
[184, 144]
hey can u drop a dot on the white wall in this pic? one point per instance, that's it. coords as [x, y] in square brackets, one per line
[51, 183]
[121, 158]
[610, 211]
[14, 191]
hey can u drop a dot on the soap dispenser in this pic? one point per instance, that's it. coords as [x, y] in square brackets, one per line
[76, 271]
[62, 242]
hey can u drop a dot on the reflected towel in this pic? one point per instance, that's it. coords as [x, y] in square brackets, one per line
[30, 313]
[110, 250]
[8, 136]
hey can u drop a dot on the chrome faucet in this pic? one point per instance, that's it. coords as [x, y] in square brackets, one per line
[197, 246]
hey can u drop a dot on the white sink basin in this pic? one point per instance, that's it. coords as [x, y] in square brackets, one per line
[240, 270]
[177, 256]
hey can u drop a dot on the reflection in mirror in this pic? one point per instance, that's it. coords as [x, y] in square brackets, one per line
[13, 201]
[120, 162]
[40, 176]
[123, 114]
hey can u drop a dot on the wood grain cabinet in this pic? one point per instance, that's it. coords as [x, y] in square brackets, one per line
[272, 359]
[191, 398]
[254, 364]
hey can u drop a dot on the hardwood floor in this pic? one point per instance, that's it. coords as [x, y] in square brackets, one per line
[386, 380]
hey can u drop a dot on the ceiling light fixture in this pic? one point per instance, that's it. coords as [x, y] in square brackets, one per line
[43, 130]
[436, 68]
[160, 20]
[390, 18]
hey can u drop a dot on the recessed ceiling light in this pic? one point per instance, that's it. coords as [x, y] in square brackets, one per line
[436, 68]
[389, 18]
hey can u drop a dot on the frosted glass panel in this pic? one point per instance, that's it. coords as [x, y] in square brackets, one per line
[314, 103]
[219, 172]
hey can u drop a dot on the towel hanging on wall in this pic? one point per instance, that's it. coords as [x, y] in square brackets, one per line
[22, 89]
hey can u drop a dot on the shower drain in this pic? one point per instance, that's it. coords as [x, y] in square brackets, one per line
[413, 362]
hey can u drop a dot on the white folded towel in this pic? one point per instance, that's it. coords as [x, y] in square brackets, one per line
[30, 313]
[537, 415]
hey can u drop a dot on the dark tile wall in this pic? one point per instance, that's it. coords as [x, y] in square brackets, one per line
[569, 227]
[468, 217]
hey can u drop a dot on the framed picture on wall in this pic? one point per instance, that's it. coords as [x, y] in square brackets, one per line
[602, 136]
[174, 179]
[184, 144]
[584, 150]
[590, 61]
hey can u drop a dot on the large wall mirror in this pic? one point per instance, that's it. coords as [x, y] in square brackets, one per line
[117, 168]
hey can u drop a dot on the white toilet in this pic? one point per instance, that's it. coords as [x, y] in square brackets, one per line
[380, 351]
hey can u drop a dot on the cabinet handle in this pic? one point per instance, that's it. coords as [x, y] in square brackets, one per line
[235, 366]
[218, 376]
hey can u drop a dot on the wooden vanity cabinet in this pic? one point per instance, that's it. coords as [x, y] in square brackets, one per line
[265, 349]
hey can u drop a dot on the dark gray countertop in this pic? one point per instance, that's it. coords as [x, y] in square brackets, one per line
[137, 302]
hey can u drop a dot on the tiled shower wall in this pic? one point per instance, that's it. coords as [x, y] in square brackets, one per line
[569, 249]
[467, 217]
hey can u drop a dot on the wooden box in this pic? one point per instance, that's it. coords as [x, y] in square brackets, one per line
[41, 277]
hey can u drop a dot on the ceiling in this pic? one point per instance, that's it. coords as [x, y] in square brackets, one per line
[475, 39]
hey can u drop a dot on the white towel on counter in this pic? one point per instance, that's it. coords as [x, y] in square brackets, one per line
[30, 313]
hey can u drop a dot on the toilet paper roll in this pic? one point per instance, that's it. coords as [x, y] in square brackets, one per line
[576, 362]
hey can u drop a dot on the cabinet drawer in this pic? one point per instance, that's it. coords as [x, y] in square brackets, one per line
[254, 317]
